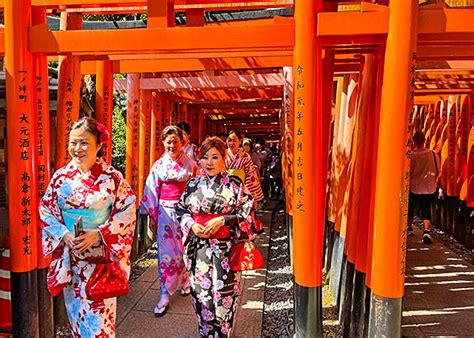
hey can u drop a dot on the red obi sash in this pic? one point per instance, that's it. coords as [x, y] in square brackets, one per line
[172, 191]
[223, 232]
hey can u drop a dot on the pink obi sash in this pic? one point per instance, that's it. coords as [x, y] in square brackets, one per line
[171, 191]
[223, 232]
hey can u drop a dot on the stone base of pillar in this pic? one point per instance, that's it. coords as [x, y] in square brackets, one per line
[308, 311]
[24, 293]
[385, 317]
[45, 303]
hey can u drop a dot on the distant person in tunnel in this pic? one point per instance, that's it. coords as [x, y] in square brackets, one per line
[163, 188]
[189, 148]
[247, 145]
[423, 176]
[273, 175]
[215, 213]
[238, 162]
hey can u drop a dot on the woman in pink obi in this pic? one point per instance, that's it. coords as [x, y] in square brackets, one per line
[87, 187]
[163, 188]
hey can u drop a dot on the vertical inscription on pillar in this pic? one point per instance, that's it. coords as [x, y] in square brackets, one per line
[24, 154]
[299, 140]
[135, 142]
[105, 146]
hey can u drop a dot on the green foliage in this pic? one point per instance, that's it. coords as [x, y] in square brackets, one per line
[119, 132]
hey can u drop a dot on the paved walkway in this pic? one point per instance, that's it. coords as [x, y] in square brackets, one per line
[439, 291]
[135, 316]
[439, 298]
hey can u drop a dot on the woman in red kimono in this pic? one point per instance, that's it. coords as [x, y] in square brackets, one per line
[86, 187]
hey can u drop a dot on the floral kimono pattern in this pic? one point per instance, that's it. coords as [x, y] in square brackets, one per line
[191, 150]
[214, 287]
[103, 193]
[242, 160]
[163, 187]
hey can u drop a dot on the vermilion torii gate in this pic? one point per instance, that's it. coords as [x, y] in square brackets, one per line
[372, 53]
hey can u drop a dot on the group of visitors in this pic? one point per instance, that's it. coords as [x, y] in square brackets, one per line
[200, 202]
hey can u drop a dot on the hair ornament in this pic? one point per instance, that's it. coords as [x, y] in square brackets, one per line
[104, 133]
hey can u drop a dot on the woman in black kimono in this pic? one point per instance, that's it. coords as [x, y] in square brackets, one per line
[214, 212]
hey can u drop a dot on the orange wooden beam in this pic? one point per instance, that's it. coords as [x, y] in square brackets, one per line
[198, 62]
[348, 24]
[207, 82]
[229, 105]
[180, 4]
[228, 95]
[226, 38]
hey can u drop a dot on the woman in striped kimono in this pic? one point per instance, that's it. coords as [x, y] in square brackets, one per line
[239, 162]
[163, 188]
[87, 187]
[214, 212]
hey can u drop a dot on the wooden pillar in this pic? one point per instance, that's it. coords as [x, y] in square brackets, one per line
[22, 181]
[201, 124]
[288, 137]
[133, 132]
[287, 144]
[42, 165]
[392, 177]
[195, 17]
[104, 102]
[158, 123]
[144, 148]
[160, 13]
[69, 96]
[310, 181]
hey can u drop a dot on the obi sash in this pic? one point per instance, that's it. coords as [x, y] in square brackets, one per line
[223, 232]
[91, 218]
[172, 191]
[237, 172]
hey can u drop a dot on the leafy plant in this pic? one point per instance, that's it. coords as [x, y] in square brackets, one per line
[119, 132]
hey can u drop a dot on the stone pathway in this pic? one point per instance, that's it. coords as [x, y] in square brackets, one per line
[439, 291]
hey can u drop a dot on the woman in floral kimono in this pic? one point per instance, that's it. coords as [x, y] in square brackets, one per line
[214, 212]
[239, 162]
[163, 188]
[90, 188]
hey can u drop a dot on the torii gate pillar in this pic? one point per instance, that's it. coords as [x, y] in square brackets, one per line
[309, 174]
[21, 176]
[391, 184]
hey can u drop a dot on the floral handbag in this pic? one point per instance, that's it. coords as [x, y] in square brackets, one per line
[245, 256]
[107, 281]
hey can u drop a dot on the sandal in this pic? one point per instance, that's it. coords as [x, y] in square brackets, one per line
[185, 292]
[160, 310]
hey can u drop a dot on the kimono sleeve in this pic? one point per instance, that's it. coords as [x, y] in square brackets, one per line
[51, 221]
[149, 202]
[243, 210]
[252, 181]
[118, 231]
[183, 212]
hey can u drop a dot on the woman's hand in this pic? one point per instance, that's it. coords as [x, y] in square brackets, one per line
[86, 240]
[68, 239]
[198, 230]
[214, 225]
